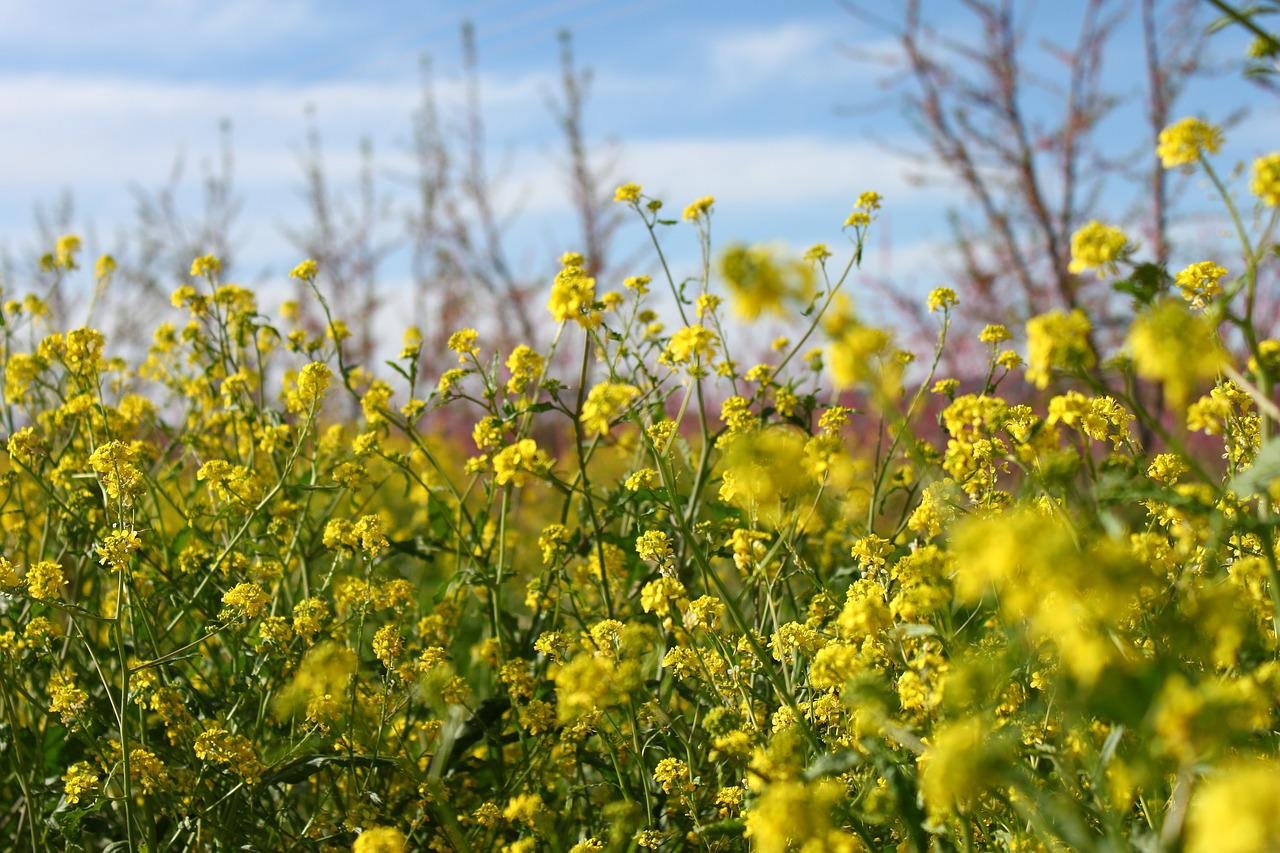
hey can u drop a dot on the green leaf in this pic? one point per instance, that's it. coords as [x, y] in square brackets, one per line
[398, 369]
[308, 765]
[831, 764]
[1146, 283]
[732, 827]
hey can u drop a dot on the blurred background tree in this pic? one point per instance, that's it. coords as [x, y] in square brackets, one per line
[1025, 146]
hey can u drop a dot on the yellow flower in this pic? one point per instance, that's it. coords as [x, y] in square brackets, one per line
[760, 281]
[672, 774]
[691, 345]
[45, 580]
[573, 294]
[380, 839]
[1057, 340]
[1200, 283]
[216, 745]
[64, 253]
[65, 698]
[1236, 810]
[963, 760]
[942, 298]
[817, 253]
[857, 219]
[147, 771]
[700, 207]
[795, 815]
[105, 267]
[1097, 246]
[861, 353]
[244, 599]
[388, 645]
[80, 780]
[523, 808]
[1185, 142]
[627, 193]
[657, 595]
[869, 201]
[994, 333]
[205, 265]
[603, 404]
[1175, 347]
[463, 342]
[1265, 183]
[449, 379]
[487, 432]
[375, 402]
[83, 352]
[306, 270]
[370, 532]
[24, 445]
[116, 548]
[326, 670]
[312, 382]
[525, 366]
[514, 462]
[654, 546]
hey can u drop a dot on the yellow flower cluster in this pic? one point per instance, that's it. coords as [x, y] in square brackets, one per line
[604, 403]
[1185, 142]
[1097, 247]
[573, 293]
[616, 590]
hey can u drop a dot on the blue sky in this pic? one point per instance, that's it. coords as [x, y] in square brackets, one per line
[757, 103]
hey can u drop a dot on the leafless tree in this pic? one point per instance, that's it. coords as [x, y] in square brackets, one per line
[349, 240]
[445, 213]
[1023, 145]
[458, 234]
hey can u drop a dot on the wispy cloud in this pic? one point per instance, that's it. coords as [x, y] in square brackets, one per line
[88, 133]
[745, 57]
[767, 173]
[155, 28]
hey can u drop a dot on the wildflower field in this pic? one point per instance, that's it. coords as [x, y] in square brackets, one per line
[661, 598]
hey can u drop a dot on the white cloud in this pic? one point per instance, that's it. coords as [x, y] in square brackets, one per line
[81, 131]
[746, 56]
[764, 173]
[99, 135]
[802, 52]
[155, 28]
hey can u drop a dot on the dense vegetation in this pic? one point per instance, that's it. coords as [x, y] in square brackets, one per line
[662, 598]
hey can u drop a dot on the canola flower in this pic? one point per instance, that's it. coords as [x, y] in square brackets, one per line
[606, 402]
[252, 594]
[1176, 348]
[1057, 340]
[1265, 180]
[761, 282]
[1184, 142]
[1097, 246]
[573, 293]
[1200, 283]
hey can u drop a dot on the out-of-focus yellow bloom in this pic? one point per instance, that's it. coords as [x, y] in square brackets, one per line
[700, 208]
[1172, 346]
[627, 193]
[1265, 183]
[1057, 340]
[1097, 247]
